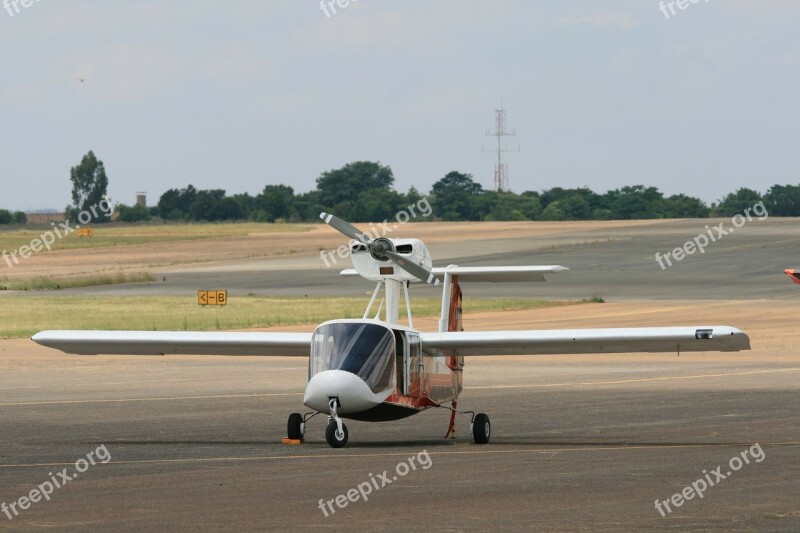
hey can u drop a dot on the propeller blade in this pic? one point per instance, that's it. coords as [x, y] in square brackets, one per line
[345, 228]
[412, 268]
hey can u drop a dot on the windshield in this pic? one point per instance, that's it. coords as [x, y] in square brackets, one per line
[366, 350]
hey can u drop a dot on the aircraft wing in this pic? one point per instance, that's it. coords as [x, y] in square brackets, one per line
[176, 342]
[580, 341]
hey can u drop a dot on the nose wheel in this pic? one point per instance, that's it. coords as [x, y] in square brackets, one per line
[336, 437]
[336, 432]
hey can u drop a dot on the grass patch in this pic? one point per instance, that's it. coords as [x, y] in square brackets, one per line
[27, 315]
[595, 299]
[115, 234]
[52, 283]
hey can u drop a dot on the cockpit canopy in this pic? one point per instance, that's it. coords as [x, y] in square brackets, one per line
[361, 348]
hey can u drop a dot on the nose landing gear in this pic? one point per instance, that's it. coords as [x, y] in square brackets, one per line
[336, 432]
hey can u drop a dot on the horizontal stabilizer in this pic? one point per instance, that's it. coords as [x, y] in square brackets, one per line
[490, 274]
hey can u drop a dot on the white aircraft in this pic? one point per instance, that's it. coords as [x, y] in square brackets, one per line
[376, 370]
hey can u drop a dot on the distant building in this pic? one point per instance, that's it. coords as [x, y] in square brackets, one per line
[39, 217]
[141, 199]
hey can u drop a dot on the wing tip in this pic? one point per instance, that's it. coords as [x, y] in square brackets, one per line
[793, 274]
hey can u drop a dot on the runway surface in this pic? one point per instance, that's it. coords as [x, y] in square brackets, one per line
[580, 443]
[617, 262]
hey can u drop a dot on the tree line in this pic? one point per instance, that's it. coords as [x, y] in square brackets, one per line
[364, 191]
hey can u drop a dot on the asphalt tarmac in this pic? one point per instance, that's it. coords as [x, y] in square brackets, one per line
[579, 443]
[614, 263]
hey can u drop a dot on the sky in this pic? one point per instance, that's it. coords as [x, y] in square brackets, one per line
[242, 94]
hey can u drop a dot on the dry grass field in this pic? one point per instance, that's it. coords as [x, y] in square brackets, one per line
[27, 314]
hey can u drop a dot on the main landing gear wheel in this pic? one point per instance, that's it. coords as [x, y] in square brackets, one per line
[295, 427]
[481, 429]
[335, 438]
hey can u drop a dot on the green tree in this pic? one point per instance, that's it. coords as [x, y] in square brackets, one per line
[375, 206]
[6, 217]
[135, 213]
[412, 196]
[575, 207]
[553, 211]
[573, 204]
[212, 205]
[275, 201]
[175, 203]
[456, 197]
[783, 200]
[736, 202]
[89, 186]
[506, 205]
[530, 205]
[339, 188]
[20, 217]
[683, 206]
[635, 202]
[246, 203]
[602, 214]
[307, 206]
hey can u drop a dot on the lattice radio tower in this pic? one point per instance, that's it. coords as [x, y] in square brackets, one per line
[500, 169]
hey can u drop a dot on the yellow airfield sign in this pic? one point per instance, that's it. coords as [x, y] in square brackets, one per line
[212, 297]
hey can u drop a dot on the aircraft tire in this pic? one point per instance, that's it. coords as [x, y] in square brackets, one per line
[481, 429]
[330, 435]
[294, 428]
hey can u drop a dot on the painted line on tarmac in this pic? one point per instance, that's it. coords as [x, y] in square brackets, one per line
[159, 399]
[549, 451]
[640, 380]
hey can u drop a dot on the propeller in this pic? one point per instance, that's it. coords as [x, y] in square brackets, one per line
[381, 249]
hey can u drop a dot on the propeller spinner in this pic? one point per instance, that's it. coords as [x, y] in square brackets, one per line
[381, 249]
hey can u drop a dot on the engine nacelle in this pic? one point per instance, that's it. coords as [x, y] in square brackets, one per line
[377, 268]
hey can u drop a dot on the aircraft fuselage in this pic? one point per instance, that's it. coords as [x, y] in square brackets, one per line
[377, 371]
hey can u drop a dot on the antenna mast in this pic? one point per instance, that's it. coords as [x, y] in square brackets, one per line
[500, 169]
